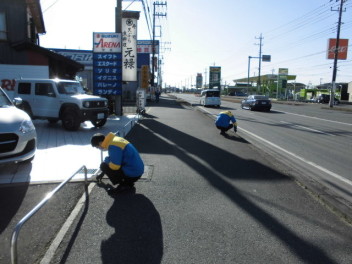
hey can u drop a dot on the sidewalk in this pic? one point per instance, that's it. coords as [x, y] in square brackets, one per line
[61, 153]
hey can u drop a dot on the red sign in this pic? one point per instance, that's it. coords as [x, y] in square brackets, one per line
[342, 49]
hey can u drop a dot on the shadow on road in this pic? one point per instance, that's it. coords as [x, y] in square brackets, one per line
[150, 137]
[138, 234]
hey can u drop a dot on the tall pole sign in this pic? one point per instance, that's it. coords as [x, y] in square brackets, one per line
[107, 74]
[214, 77]
[129, 46]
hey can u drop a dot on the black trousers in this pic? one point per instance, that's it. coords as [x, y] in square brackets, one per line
[118, 176]
[224, 129]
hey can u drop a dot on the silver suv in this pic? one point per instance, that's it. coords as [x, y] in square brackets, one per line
[65, 100]
[18, 138]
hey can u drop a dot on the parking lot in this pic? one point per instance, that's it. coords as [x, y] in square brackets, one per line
[60, 153]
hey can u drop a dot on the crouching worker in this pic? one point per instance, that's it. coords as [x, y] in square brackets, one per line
[223, 122]
[123, 165]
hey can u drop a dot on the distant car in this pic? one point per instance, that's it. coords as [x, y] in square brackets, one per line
[18, 137]
[256, 102]
[325, 99]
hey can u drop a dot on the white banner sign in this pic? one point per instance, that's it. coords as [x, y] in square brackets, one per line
[129, 49]
[106, 42]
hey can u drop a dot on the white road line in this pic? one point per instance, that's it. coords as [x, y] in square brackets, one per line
[299, 158]
[59, 237]
[313, 117]
[307, 128]
[295, 156]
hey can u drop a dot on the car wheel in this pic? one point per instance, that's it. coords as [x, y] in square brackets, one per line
[99, 123]
[70, 120]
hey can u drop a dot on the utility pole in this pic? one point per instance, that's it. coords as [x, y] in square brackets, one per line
[117, 99]
[332, 92]
[260, 59]
[153, 43]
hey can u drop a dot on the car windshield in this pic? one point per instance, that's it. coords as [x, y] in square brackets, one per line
[4, 100]
[213, 93]
[260, 97]
[70, 88]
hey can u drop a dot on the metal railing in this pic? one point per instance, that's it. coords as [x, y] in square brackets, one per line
[128, 126]
[19, 225]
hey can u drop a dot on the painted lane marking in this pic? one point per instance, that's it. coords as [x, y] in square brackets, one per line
[300, 158]
[307, 128]
[295, 156]
[313, 117]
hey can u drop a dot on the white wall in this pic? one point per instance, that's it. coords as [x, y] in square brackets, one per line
[9, 72]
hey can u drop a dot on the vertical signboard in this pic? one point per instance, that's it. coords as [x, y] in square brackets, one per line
[129, 49]
[214, 77]
[107, 72]
[342, 50]
[144, 76]
[199, 80]
[282, 80]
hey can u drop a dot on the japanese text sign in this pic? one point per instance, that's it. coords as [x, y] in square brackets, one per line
[129, 49]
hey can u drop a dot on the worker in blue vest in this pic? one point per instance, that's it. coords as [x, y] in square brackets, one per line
[224, 121]
[123, 165]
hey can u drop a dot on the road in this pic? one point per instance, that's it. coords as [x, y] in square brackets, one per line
[210, 199]
[315, 142]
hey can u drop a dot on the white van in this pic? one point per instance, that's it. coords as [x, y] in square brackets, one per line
[210, 97]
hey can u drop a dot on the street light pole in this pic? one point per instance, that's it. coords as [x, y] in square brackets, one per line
[249, 67]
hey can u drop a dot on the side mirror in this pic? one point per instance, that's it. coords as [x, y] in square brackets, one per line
[17, 101]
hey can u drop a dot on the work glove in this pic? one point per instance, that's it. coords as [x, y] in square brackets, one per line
[104, 167]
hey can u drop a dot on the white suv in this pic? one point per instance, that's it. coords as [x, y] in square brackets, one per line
[65, 100]
[18, 138]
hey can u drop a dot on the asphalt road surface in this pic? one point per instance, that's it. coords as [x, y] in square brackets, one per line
[312, 140]
[211, 199]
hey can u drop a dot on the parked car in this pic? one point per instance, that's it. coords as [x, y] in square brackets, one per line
[256, 102]
[18, 137]
[325, 99]
[65, 100]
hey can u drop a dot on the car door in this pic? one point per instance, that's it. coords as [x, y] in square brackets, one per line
[45, 103]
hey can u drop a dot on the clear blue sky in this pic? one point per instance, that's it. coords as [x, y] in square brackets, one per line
[222, 33]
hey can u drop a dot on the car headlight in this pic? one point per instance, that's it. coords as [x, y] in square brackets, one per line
[86, 104]
[26, 126]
